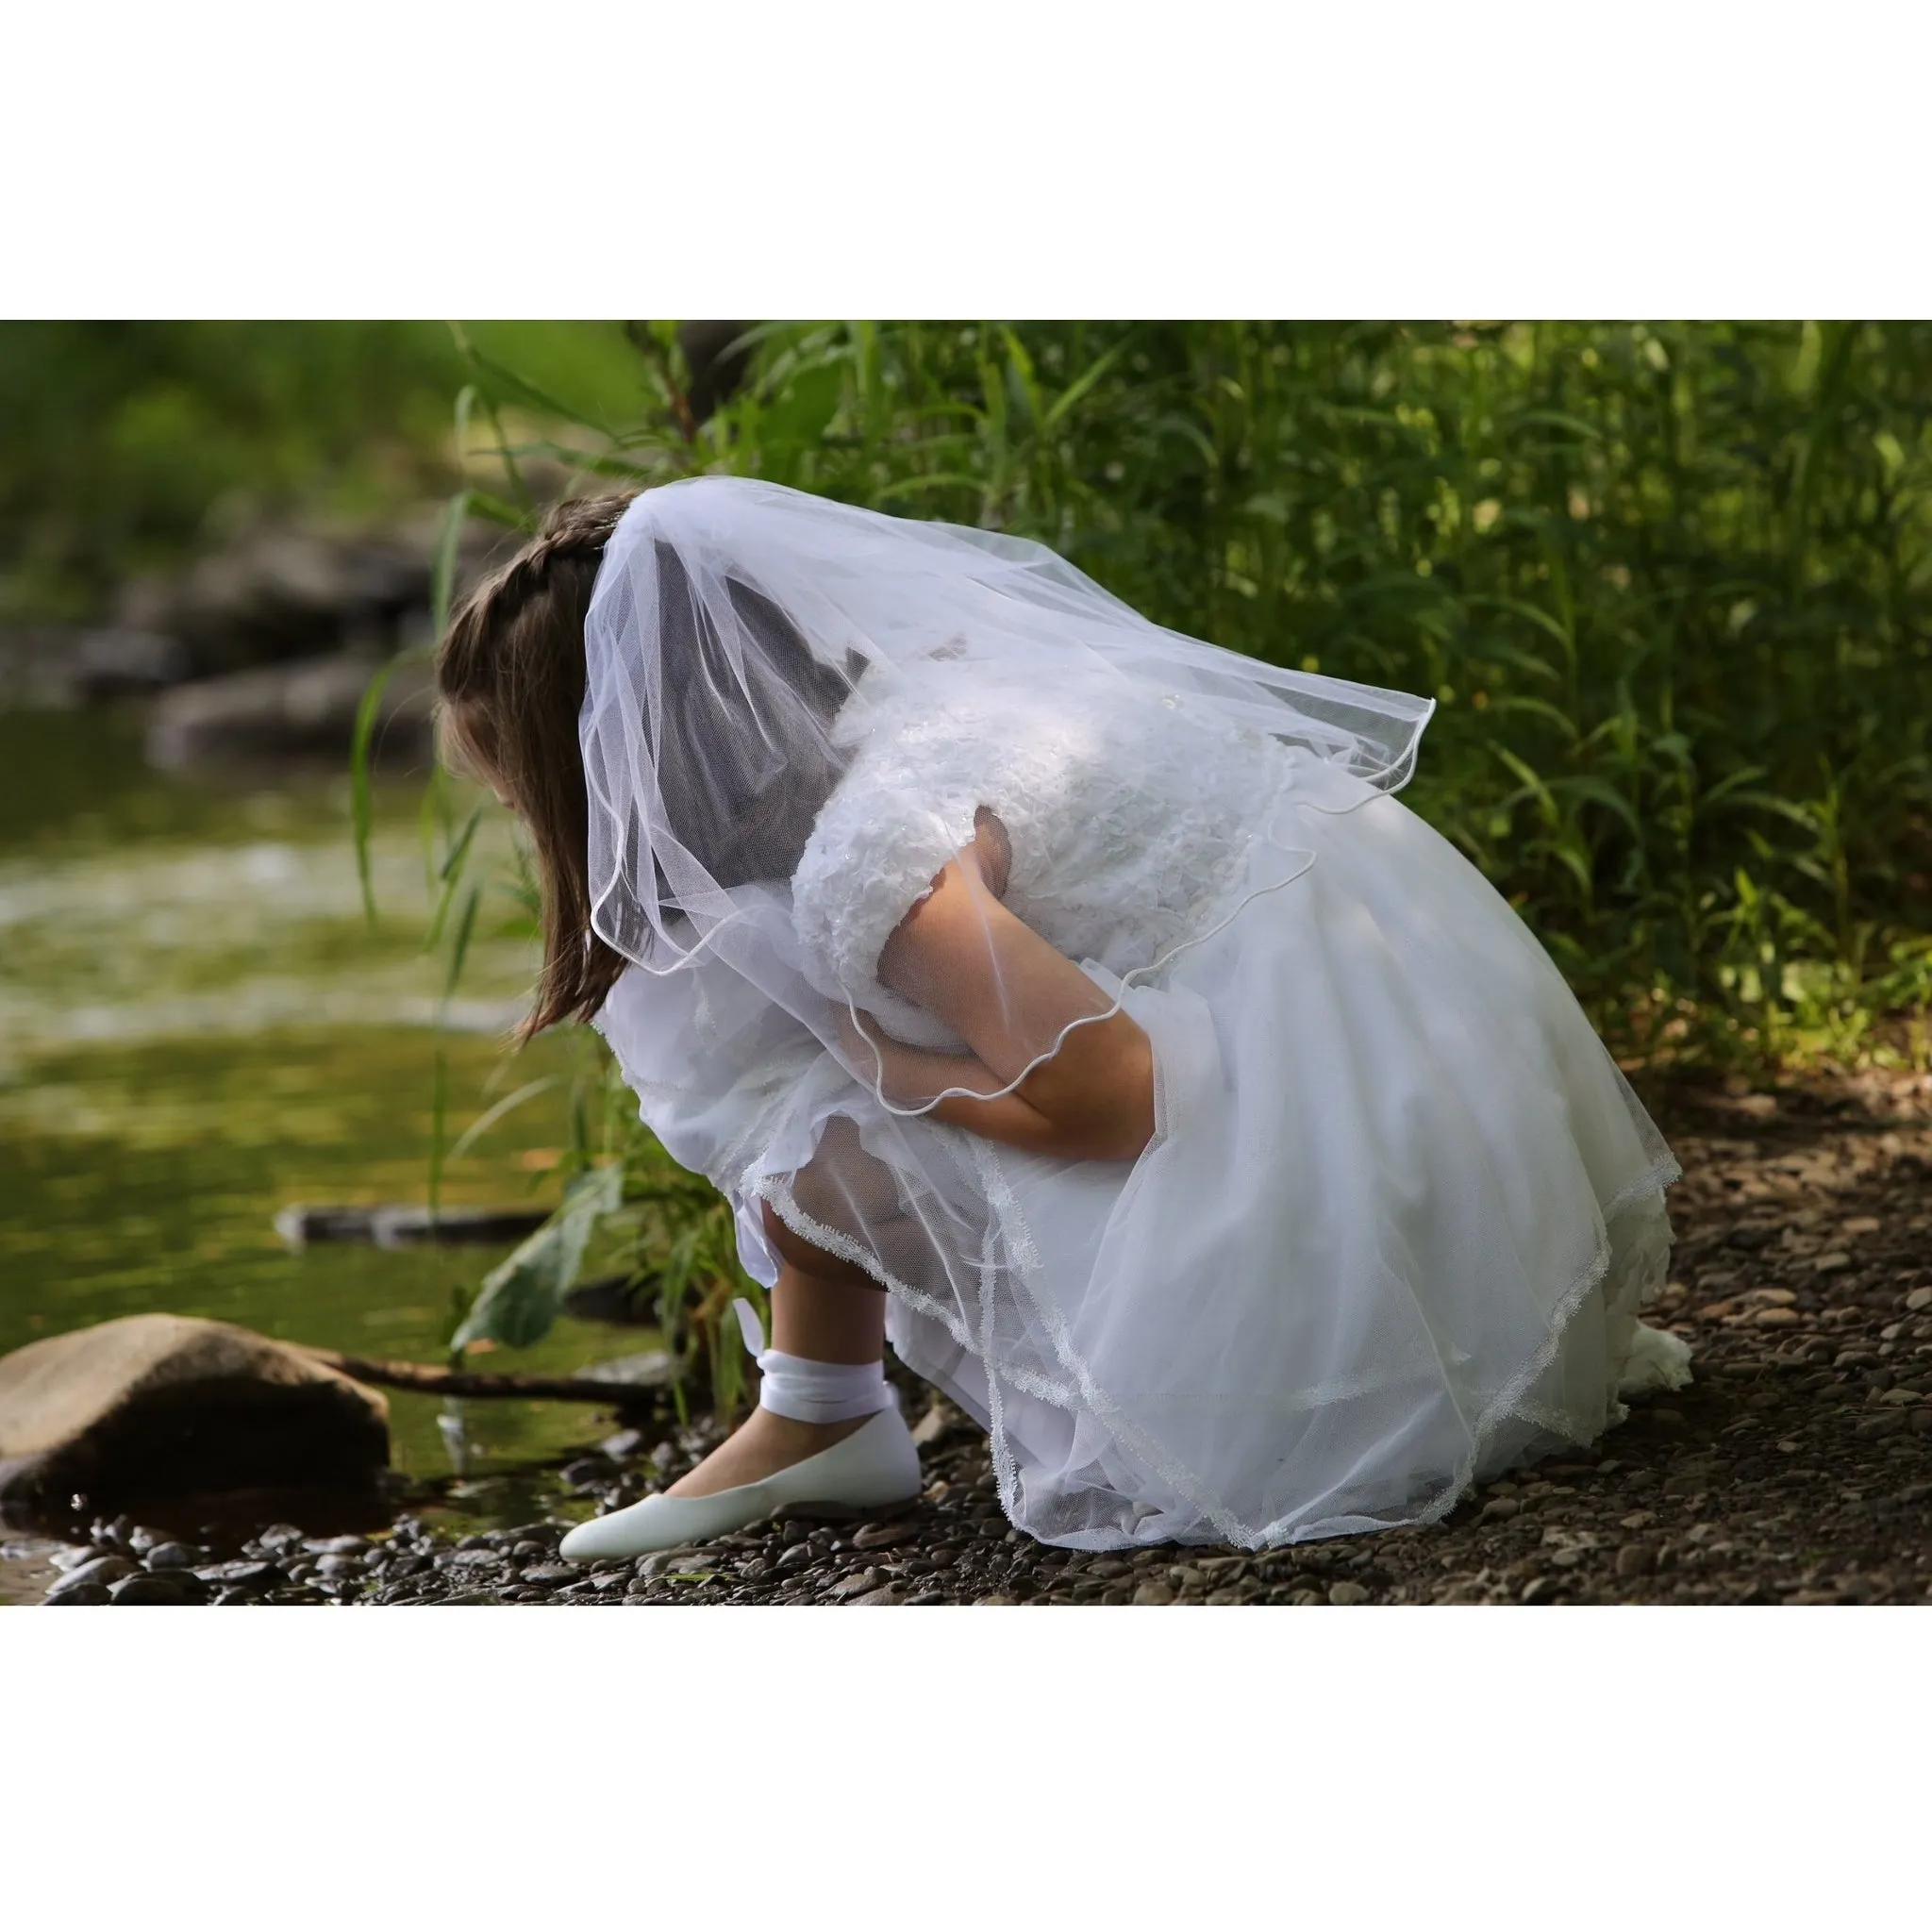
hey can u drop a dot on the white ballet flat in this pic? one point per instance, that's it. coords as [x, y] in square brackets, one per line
[873, 1466]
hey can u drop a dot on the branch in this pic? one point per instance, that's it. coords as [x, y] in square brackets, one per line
[425, 1379]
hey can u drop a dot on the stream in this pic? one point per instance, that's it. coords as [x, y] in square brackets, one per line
[198, 1026]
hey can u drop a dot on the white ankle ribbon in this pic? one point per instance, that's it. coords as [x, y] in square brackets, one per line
[811, 1392]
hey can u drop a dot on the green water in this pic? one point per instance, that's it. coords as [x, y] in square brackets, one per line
[198, 1027]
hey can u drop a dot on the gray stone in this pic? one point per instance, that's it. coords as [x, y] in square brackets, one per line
[98, 1573]
[158, 1586]
[159, 1405]
[80, 1594]
[1154, 1592]
[279, 711]
[1636, 1560]
[244, 1576]
[172, 1557]
[1347, 1595]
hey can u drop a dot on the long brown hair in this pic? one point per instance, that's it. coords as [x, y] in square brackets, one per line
[510, 680]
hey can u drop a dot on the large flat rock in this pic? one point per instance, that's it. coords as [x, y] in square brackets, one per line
[155, 1406]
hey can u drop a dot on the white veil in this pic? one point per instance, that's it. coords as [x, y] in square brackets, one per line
[746, 642]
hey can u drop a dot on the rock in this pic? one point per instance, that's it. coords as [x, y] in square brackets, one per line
[403, 1226]
[157, 1586]
[84, 1553]
[886, 1593]
[164, 1404]
[881, 1535]
[1154, 1592]
[172, 1557]
[80, 1594]
[623, 1444]
[117, 663]
[549, 1575]
[1919, 1298]
[280, 590]
[1834, 1263]
[854, 1584]
[244, 1578]
[1347, 1595]
[97, 1575]
[282, 710]
[1499, 1509]
[661, 1562]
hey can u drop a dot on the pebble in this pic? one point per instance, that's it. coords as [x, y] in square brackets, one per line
[552, 1574]
[156, 1587]
[660, 1562]
[1347, 1595]
[1499, 1509]
[174, 1557]
[852, 1585]
[81, 1593]
[886, 1593]
[881, 1535]
[1154, 1592]
[245, 1574]
[101, 1572]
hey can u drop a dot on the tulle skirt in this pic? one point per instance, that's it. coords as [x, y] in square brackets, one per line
[1393, 1232]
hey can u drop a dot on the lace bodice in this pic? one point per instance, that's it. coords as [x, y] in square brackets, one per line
[1128, 820]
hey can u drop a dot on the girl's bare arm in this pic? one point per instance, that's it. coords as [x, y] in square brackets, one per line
[960, 954]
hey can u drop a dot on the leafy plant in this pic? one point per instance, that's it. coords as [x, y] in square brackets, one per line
[1671, 584]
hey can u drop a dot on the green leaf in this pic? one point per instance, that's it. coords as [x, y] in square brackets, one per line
[361, 805]
[521, 1296]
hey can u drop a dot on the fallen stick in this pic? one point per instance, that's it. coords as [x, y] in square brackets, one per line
[426, 1379]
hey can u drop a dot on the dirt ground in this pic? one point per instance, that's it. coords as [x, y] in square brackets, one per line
[1797, 1469]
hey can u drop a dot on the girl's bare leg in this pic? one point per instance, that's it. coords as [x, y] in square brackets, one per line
[825, 1310]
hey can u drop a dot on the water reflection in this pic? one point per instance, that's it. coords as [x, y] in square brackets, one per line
[197, 1026]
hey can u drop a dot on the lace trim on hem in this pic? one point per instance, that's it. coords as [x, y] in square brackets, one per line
[1008, 1224]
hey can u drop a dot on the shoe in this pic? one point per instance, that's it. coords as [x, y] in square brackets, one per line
[873, 1466]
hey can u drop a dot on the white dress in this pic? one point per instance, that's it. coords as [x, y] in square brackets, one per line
[1400, 1211]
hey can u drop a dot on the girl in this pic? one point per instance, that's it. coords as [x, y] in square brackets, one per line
[1070, 1002]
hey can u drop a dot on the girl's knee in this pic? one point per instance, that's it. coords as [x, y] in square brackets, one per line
[808, 1258]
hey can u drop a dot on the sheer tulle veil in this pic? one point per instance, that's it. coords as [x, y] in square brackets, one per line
[743, 639]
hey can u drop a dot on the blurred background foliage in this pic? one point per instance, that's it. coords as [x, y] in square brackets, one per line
[1670, 582]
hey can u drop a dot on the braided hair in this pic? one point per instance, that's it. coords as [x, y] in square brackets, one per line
[510, 680]
[511, 683]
